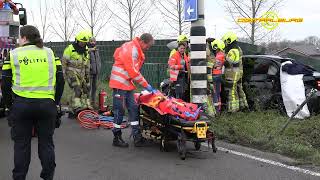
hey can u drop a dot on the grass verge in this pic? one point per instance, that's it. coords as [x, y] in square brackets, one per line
[301, 139]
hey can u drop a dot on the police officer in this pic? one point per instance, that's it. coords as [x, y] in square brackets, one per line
[33, 81]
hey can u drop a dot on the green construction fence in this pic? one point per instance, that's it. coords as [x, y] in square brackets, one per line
[155, 66]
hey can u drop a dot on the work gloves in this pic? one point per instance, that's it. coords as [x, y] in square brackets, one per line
[151, 89]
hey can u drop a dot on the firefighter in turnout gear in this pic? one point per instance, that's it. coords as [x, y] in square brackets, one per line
[77, 72]
[128, 60]
[233, 74]
[32, 86]
[179, 69]
[210, 56]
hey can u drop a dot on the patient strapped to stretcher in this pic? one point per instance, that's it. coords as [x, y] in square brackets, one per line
[169, 105]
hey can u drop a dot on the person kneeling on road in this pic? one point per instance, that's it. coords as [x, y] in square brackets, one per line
[128, 60]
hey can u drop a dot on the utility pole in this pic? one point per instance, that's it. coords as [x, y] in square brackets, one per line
[198, 52]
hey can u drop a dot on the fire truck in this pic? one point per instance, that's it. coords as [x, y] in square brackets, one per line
[10, 21]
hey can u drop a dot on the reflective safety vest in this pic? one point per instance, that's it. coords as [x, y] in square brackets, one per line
[233, 64]
[177, 63]
[128, 60]
[73, 61]
[33, 71]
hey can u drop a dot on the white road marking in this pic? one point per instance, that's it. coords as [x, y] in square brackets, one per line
[275, 163]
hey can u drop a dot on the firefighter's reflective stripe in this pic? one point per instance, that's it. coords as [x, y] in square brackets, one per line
[234, 88]
[80, 71]
[134, 123]
[75, 63]
[116, 126]
[210, 66]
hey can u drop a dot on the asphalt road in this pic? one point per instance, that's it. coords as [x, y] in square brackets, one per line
[88, 155]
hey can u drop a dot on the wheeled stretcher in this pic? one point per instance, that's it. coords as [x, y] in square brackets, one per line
[189, 125]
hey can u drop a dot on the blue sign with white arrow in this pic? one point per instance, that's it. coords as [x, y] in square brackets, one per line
[190, 10]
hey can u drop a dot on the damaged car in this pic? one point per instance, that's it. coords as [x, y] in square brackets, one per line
[261, 81]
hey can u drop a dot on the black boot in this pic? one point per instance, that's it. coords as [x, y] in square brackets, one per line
[140, 141]
[118, 141]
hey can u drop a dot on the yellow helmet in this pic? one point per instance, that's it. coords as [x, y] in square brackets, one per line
[218, 44]
[83, 36]
[229, 37]
[182, 38]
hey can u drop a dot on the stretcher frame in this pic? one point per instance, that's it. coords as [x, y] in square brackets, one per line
[160, 127]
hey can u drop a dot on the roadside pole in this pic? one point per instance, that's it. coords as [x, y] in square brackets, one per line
[194, 12]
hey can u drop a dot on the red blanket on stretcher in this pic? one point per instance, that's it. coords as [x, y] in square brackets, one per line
[169, 105]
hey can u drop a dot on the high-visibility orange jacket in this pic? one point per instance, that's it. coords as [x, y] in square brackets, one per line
[128, 60]
[177, 63]
[220, 57]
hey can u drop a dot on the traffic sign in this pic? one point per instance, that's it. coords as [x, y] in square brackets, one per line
[190, 10]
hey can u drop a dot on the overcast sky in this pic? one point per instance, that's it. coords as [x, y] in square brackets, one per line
[217, 22]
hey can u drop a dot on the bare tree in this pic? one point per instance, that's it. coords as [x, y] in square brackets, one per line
[172, 13]
[93, 14]
[42, 20]
[314, 40]
[64, 25]
[130, 16]
[252, 9]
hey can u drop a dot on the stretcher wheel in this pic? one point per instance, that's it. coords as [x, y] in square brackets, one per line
[197, 145]
[163, 144]
[181, 145]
